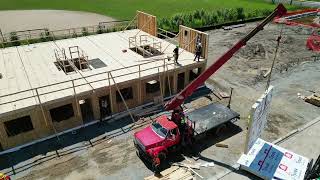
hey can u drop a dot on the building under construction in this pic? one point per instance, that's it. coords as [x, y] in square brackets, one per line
[50, 87]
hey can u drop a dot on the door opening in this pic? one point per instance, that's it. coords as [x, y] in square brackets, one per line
[86, 110]
[169, 86]
[105, 108]
[180, 82]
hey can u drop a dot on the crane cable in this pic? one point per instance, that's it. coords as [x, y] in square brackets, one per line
[274, 58]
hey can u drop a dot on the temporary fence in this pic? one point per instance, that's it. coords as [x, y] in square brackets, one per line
[44, 34]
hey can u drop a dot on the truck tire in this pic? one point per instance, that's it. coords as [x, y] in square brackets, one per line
[156, 165]
[162, 156]
[138, 153]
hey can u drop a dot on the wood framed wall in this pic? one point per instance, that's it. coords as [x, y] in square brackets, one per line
[188, 38]
[147, 23]
[149, 97]
[41, 129]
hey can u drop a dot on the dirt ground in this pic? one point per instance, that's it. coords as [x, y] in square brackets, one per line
[113, 157]
[295, 72]
[18, 20]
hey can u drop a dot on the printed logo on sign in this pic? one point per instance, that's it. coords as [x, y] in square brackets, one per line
[288, 155]
[295, 172]
[283, 167]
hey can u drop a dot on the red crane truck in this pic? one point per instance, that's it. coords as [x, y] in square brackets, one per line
[165, 134]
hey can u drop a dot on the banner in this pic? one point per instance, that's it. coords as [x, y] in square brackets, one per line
[269, 161]
[258, 118]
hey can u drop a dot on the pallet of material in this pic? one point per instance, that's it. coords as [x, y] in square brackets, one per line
[172, 173]
[313, 99]
[233, 26]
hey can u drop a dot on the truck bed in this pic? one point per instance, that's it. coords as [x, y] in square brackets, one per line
[211, 116]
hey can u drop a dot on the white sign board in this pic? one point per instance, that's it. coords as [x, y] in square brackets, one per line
[258, 118]
[269, 161]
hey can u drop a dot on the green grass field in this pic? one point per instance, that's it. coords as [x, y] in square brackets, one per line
[125, 9]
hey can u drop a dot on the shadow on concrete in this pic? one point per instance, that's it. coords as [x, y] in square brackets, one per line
[75, 141]
[247, 174]
[68, 143]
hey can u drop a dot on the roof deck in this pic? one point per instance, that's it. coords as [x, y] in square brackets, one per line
[29, 71]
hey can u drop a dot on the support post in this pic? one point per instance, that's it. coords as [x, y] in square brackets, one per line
[3, 40]
[76, 100]
[230, 97]
[130, 22]
[44, 116]
[161, 86]
[12, 164]
[115, 83]
[42, 110]
[110, 94]
[169, 82]
[140, 86]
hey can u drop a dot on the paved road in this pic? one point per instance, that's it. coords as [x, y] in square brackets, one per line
[305, 142]
[52, 19]
[312, 4]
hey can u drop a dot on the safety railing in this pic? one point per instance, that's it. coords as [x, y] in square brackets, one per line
[42, 35]
[73, 84]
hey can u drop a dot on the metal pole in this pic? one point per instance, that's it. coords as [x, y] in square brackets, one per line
[140, 86]
[76, 99]
[230, 97]
[161, 88]
[42, 110]
[110, 94]
[12, 164]
[3, 40]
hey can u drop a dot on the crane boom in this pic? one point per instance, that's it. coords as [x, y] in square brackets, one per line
[187, 91]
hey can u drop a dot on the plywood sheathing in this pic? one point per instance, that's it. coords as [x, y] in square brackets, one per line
[147, 23]
[40, 129]
[188, 38]
[18, 97]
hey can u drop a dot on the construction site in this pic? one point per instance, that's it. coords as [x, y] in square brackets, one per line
[78, 108]
[55, 86]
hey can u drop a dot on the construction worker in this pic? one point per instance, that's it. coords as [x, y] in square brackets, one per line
[176, 115]
[182, 127]
[198, 51]
[183, 121]
[4, 177]
[176, 54]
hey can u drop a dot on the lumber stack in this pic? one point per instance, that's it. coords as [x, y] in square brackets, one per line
[172, 173]
[313, 99]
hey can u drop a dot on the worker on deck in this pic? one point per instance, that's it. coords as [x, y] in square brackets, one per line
[198, 51]
[176, 54]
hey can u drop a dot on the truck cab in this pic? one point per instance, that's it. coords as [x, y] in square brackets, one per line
[154, 141]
